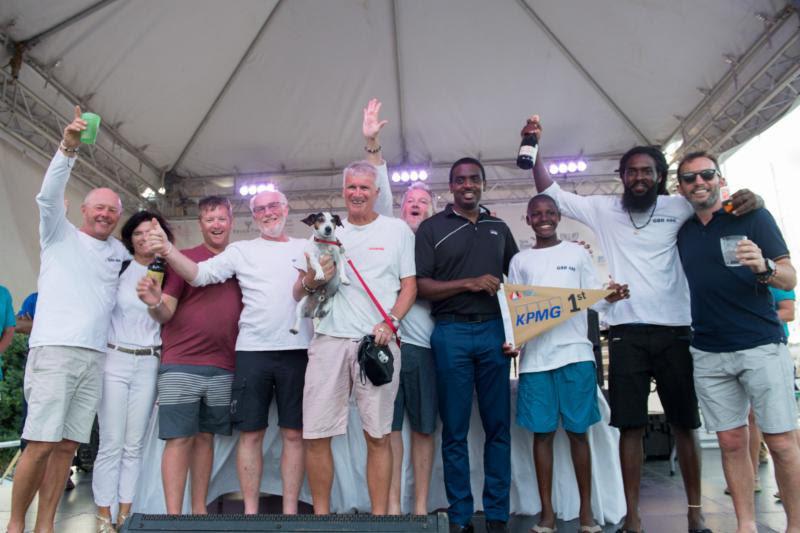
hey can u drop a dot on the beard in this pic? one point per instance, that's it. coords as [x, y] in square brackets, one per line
[274, 231]
[639, 203]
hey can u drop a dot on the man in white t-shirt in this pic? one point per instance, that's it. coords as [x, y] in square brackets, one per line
[417, 389]
[270, 361]
[650, 333]
[381, 249]
[63, 375]
[557, 369]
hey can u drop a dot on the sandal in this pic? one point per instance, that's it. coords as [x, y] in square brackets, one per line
[103, 524]
[543, 529]
[121, 518]
[594, 528]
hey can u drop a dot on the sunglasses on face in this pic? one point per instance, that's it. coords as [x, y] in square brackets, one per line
[707, 175]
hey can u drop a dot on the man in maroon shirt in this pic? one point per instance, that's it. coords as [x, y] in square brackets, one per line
[197, 362]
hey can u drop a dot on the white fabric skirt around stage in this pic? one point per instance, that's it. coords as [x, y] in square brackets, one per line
[350, 487]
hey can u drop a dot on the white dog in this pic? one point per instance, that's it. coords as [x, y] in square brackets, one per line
[323, 241]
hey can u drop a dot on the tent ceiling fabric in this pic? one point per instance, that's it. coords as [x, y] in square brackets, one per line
[457, 77]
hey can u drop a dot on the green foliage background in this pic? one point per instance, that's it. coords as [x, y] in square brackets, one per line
[11, 395]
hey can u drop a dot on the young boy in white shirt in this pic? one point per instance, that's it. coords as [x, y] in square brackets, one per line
[557, 368]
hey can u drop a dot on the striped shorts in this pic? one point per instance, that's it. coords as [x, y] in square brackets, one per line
[193, 399]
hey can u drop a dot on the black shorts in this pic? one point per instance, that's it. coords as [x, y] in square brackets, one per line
[640, 352]
[259, 376]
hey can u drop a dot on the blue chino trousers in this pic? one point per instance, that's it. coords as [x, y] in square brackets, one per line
[470, 356]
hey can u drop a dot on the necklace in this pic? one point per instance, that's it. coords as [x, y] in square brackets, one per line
[649, 218]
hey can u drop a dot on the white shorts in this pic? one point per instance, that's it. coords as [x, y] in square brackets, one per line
[729, 383]
[63, 385]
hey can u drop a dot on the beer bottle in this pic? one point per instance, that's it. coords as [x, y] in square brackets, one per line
[528, 148]
[725, 195]
[156, 270]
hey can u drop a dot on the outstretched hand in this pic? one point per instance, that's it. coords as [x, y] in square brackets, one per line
[72, 133]
[157, 239]
[372, 124]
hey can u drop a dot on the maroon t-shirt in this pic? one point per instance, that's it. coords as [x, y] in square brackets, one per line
[205, 325]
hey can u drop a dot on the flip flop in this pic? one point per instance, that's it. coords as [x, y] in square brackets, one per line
[543, 529]
[594, 528]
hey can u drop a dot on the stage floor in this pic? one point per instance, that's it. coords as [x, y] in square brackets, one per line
[663, 503]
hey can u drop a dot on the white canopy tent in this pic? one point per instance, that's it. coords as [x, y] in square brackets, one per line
[199, 97]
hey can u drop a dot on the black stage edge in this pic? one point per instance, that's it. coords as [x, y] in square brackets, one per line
[334, 523]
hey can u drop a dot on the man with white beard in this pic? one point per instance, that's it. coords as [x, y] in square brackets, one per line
[270, 361]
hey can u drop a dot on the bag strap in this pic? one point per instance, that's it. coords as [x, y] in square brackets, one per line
[386, 317]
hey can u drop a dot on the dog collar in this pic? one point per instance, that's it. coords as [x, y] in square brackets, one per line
[334, 243]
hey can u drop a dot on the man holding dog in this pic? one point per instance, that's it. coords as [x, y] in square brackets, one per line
[381, 249]
[270, 361]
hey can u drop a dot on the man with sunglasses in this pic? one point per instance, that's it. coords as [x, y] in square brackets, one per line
[739, 346]
[649, 334]
[270, 361]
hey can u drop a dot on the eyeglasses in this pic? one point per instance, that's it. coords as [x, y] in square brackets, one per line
[272, 206]
[690, 177]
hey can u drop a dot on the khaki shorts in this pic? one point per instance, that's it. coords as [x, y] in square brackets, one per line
[728, 383]
[63, 385]
[331, 375]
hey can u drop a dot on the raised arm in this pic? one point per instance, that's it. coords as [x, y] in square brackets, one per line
[159, 243]
[541, 176]
[371, 128]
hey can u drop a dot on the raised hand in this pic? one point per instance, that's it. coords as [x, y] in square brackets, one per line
[157, 239]
[372, 124]
[749, 254]
[72, 133]
[744, 201]
[533, 125]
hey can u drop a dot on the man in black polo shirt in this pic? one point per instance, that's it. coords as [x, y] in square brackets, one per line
[462, 254]
[739, 347]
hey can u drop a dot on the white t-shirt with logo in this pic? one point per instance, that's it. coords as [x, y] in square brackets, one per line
[78, 275]
[646, 259]
[131, 324]
[267, 271]
[568, 266]
[383, 253]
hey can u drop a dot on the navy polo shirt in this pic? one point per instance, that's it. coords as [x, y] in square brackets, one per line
[450, 247]
[731, 310]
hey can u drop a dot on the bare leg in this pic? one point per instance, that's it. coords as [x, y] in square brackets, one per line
[422, 460]
[631, 456]
[379, 472]
[582, 462]
[735, 448]
[201, 463]
[174, 469]
[319, 465]
[27, 479]
[688, 449]
[123, 513]
[543, 462]
[52, 487]
[396, 439]
[786, 456]
[755, 441]
[292, 468]
[250, 466]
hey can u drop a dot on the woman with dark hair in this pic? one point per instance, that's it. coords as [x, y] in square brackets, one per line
[129, 380]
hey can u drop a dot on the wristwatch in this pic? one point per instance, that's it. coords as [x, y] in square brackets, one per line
[764, 277]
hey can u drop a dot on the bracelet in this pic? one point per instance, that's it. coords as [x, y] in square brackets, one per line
[375, 151]
[306, 288]
[63, 146]
[394, 318]
[154, 307]
[766, 280]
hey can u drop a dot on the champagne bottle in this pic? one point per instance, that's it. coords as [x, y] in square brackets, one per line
[528, 148]
[156, 270]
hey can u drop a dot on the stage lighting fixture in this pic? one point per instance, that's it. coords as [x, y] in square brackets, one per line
[261, 188]
[414, 175]
[252, 189]
[405, 176]
[423, 175]
[243, 190]
[553, 168]
[572, 166]
[562, 168]
[396, 177]
[582, 166]
[568, 167]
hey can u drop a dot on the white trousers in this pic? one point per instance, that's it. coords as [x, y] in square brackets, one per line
[129, 392]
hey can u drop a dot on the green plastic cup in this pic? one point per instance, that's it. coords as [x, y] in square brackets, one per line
[89, 135]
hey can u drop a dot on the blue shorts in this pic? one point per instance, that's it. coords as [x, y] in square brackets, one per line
[569, 392]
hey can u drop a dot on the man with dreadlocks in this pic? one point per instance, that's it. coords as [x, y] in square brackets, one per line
[649, 334]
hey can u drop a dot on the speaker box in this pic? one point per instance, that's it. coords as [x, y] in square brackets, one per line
[334, 523]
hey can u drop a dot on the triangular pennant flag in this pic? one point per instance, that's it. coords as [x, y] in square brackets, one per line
[529, 310]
